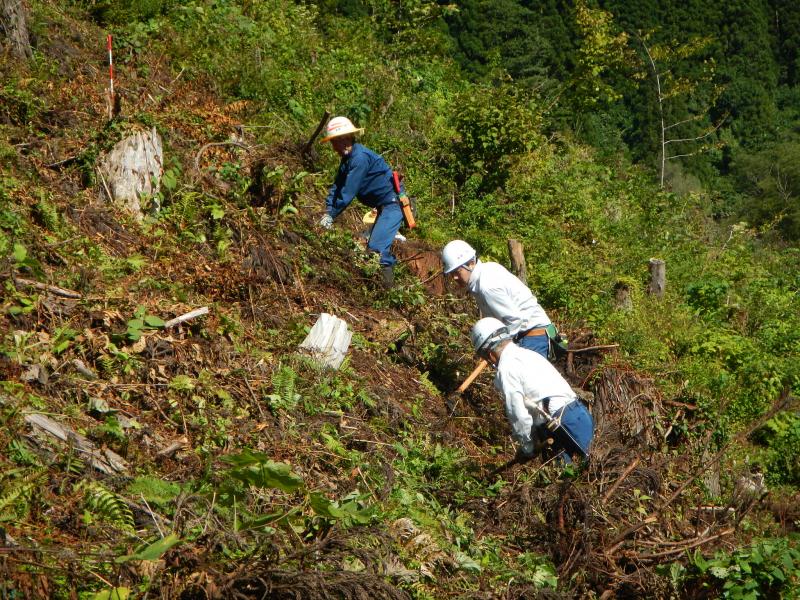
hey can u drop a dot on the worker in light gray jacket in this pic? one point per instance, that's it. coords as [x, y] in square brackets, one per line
[539, 403]
[501, 295]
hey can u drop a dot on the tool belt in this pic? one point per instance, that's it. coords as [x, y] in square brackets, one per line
[532, 332]
[557, 343]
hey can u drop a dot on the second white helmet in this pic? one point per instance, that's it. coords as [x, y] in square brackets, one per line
[456, 254]
[486, 334]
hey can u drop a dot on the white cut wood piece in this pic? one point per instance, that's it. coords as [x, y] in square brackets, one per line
[328, 341]
[134, 167]
[187, 317]
[102, 459]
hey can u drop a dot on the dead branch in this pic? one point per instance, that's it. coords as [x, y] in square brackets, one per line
[173, 447]
[590, 348]
[619, 481]
[693, 544]
[83, 369]
[103, 460]
[310, 141]
[64, 293]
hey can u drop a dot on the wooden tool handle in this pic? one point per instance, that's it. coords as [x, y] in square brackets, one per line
[472, 376]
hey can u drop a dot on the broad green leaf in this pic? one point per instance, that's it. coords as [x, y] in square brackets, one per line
[169, 180]
[153, 551]
[719, 572]
[467, 563]
[135, 324]
[324, 507]
[153, 321]
[254, 468]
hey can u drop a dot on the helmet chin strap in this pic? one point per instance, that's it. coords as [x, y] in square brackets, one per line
[472, 260]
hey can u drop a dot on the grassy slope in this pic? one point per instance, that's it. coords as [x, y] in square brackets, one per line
[412, 514]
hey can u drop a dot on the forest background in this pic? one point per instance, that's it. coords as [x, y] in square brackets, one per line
[597, 134]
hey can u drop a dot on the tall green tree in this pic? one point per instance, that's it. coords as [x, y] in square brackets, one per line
[602, 49]
[512, 36]
[785, 31]
[771, 179]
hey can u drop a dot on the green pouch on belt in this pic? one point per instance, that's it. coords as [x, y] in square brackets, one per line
[558, 343]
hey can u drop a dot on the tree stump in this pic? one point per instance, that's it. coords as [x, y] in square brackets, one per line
[14, 28]
[622, 296]
[518, 266]
[658, 277]
[133, 168]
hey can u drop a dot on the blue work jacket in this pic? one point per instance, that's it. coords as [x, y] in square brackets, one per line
[362, 174]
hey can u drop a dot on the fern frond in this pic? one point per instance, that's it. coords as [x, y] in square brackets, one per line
[17, 489]
[286, 386]
[283, 389]
[106, 364]
[108, 506]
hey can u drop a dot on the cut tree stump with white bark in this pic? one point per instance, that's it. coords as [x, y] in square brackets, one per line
[133, 168]
[518, 265]
[658, 277]
[14, 28]
[328, 341]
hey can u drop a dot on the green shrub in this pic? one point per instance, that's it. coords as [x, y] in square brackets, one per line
[121, 12]
[780, 436]
[767, 569]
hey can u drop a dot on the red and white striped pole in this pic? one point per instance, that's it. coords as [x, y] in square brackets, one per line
[110, 64]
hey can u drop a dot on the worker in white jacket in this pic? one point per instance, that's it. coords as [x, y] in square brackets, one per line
[500, 294]
[539, 402]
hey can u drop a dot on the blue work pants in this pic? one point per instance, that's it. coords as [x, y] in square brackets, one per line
[537, 343]
[578, 422]
[390, 218]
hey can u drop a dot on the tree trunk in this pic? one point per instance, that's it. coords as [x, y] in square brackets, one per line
[13, 27]
[518, 266]
[658, 277]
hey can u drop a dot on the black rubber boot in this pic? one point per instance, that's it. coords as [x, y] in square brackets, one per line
[387, 275]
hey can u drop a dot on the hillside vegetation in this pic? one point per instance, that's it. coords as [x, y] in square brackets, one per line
[211, 459]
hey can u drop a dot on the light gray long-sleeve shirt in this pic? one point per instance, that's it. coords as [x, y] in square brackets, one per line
[524, 378]
[500, 294]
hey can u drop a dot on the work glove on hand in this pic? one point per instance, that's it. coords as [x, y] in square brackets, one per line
[326, 222]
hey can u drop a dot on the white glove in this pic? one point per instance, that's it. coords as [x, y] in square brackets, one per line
[326, 222]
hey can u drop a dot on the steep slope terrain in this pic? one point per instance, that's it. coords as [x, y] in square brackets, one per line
[211, 459]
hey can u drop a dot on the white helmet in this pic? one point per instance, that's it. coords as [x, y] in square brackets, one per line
[339, 126]
[486, 334]
[456, 254]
